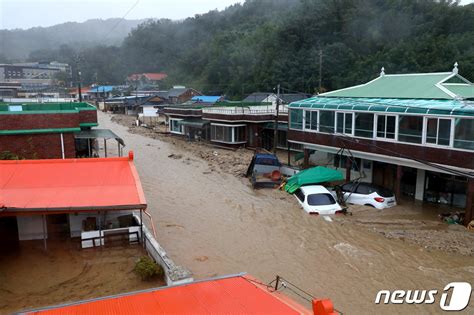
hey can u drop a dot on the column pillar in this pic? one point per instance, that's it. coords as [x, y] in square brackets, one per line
[469, 202]
[420, 184]
[306, 158]
[348, 169]
[398, 183]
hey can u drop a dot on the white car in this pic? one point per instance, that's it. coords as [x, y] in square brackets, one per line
[369, 195]
[316, 199]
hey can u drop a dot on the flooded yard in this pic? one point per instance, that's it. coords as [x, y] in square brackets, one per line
[31, 277]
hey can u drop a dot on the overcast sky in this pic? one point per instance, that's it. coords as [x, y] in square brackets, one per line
[30, 13]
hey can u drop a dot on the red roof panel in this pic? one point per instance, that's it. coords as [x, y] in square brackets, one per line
[232, 295]
[70, 184]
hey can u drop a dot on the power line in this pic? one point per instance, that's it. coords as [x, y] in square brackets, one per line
[121, 19]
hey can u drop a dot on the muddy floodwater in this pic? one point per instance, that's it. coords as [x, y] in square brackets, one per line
[213, 223]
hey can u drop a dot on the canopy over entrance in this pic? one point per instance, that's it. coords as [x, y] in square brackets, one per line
[314, 175]
[70, 185]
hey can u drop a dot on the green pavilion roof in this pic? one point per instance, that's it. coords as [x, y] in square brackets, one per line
[411, 86]
[389, 105]
[40, 108]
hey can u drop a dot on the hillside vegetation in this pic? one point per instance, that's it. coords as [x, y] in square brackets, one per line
[261, 43]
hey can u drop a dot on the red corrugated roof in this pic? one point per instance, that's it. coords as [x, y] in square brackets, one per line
[149, 76]
[232, 295]
[70, 185]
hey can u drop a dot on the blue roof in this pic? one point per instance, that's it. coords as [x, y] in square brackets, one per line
[205, 99]
[102, 89]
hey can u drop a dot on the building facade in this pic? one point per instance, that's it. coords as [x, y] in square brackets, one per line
[413, 133]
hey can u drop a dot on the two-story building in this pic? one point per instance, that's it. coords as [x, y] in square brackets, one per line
[413, 133]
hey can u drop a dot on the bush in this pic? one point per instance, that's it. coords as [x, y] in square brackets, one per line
[147, 269]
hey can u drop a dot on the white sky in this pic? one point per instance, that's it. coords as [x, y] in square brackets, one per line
[30, 13]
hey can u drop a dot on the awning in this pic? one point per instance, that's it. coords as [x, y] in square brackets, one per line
[69, 185]
[196, 123]
[239, 294]
[98, 133]
[314, 175]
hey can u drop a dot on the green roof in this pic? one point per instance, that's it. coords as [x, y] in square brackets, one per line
[406, 106]
[43, 108]
[410, 86]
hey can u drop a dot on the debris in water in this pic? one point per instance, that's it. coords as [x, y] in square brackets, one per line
[175, 156]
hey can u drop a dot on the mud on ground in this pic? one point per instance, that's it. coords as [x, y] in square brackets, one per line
[410, 222]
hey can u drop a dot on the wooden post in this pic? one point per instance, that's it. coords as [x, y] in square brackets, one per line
[105, 147]
[469, 202]
[45, 233]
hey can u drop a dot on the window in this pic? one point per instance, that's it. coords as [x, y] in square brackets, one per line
[296, 119]
[311, 120]
[326, 121]
[228, 133]
[321, 200]
[464, 134]
[239, 134]
[410, 129]
[348, 187]
[282, 139]
[299, 194]
[438, 131]
[386, 126]
[364, 125]
[344, 123]
[175, 127]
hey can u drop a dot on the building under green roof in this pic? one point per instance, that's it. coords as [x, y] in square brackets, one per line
[402, 106]
[442, 85]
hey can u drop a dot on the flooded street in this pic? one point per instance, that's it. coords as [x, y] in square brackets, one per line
[213, 223]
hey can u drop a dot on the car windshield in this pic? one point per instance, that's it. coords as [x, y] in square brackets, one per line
[321, 200]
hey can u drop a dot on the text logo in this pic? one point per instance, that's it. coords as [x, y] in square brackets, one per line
[455, 296]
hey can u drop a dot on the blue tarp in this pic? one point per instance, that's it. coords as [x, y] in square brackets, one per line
[102, 89]
[205, 99]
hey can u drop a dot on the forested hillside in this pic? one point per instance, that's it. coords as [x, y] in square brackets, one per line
[16, 45]
[256, 45]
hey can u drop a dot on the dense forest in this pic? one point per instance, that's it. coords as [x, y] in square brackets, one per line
[256, 45]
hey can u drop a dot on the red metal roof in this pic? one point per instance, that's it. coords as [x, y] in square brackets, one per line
[149, 76]
[70, 185]
[232, 295]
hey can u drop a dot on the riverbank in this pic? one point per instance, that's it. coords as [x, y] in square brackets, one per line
[409, 222]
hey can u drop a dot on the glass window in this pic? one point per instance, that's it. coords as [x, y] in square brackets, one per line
[321, 200]
[344, 123]
[438, 131]
[464, 134]
[311, 120]
[240, 134]
[386, 126]
[296, 119]
[175, 127]
[281, 139]
[410, 129]
[364, 125]
[299, 194]
[326, 121]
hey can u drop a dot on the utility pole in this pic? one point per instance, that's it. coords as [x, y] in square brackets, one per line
[320, 69]
[78, 78]
[275, 130]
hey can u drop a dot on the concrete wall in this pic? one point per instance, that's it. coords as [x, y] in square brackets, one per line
[31, 228]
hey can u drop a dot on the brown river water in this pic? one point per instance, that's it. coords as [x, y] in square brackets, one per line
[213, 223]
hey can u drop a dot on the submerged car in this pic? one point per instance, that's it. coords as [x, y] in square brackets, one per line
[316, 199]
[368, 194]
[264, 171]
